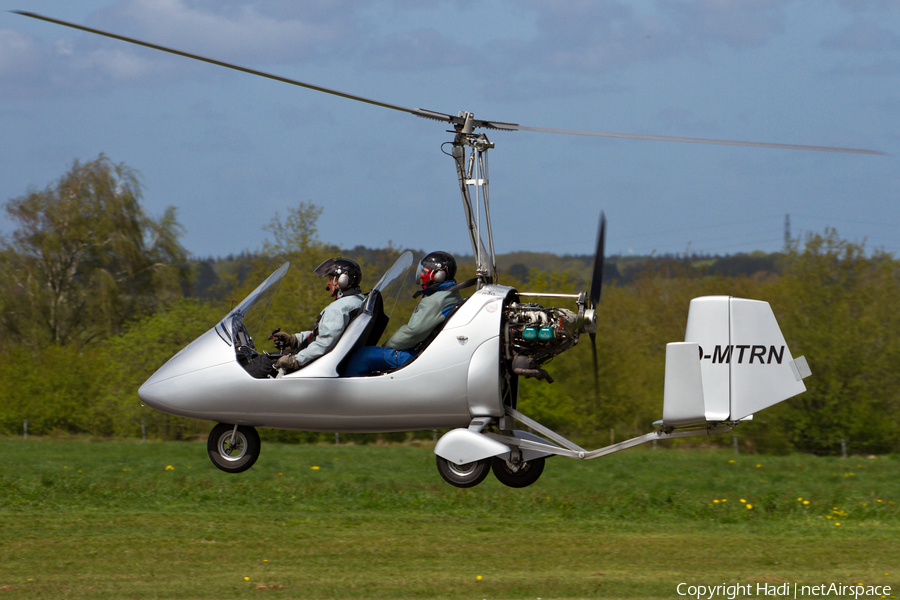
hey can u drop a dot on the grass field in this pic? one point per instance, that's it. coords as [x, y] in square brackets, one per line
[87, 519]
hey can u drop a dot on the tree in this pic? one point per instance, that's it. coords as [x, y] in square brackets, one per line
[838, 307]
[86, 257]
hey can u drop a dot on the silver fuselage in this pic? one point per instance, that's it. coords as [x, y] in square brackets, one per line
[456, 378]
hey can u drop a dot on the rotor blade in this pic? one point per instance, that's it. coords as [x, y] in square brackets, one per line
[419, 112]
[459, 122]
[599, 255]
[666, 138]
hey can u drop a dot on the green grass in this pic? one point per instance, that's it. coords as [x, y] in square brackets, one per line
[156, 520]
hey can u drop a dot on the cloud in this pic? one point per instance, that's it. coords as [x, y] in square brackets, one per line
[589, 36]
[732, 23]
[863, 36]
[882, 68]
[869, 6]
[228, 31]
[239, 32]
[417, 50]
[17, 52]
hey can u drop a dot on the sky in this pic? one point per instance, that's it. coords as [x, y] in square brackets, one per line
[231, 150]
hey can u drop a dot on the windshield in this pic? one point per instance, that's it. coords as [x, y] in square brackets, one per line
[252, 310]
[391, 283]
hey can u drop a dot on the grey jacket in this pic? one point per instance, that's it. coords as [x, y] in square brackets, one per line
[332, 321]
[424, 319]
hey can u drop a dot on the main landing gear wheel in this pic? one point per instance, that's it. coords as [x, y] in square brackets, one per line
[464, 476]
[233, 456]
[518, 475]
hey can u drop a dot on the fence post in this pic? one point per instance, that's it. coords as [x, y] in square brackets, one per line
[612, 436]
[654, 445]
[734, 440]
[26, 429]
[337, 438]
[143, 430]
[844, 448]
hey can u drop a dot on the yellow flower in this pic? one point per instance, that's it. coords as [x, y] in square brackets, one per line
[732, 461]
[246, 579]
[749, 506]
[715, 501]
[837, 524]
[806, 502]
[314, 468]
[478, 577]
[743, 501]
[799, 499]
[170, 468]
[724, 499]
[758, 465]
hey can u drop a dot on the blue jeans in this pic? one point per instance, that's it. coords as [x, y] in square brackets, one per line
[369, 359]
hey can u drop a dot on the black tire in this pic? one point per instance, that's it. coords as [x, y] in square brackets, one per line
[517, 476]
[234, 457]
[463, 476]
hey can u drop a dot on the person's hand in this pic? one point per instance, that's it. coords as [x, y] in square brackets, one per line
[288, 362]
[284, 340]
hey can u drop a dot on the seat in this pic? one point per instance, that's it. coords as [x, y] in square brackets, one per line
[420, 347]
[364, 329]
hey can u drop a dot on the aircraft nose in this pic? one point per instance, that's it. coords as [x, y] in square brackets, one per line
[153, 395]
[181, 377]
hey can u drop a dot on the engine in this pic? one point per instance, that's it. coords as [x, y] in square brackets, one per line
[534, 334]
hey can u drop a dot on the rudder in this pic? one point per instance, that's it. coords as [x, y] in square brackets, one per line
[743, 361]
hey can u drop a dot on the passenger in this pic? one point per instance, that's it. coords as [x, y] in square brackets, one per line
[344, 276]
[436, 274]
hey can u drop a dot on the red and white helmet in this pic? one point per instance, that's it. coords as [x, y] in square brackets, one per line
[436, 268]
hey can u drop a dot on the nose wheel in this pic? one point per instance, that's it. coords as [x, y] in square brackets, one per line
[233, 449]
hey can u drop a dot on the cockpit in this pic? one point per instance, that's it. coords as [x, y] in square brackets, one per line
[367, 324]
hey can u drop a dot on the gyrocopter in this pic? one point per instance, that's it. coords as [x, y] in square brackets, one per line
[733, 363]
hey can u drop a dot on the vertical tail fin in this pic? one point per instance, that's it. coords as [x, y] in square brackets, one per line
[734, 362]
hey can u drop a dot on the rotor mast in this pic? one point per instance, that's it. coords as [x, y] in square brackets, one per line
[471, 160]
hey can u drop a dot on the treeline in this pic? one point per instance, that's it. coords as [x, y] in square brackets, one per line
[213, 278]
[95, 295]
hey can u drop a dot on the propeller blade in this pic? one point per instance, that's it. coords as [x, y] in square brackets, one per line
[599, 255]
[596, 376]
[459, 122]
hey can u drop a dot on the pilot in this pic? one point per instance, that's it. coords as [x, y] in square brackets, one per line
[344, 276]
[436, 275]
